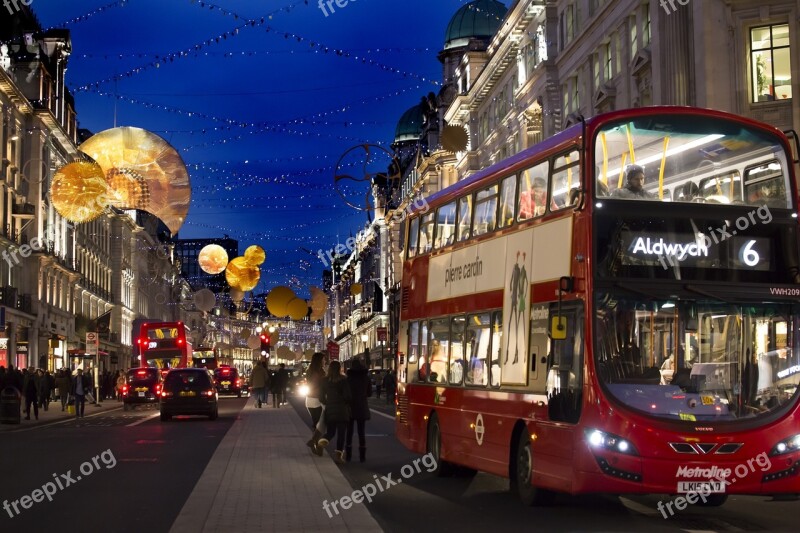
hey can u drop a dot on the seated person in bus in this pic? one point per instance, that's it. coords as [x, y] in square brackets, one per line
[533, 202]
[634, 181]
[601, 189]
[688, 192]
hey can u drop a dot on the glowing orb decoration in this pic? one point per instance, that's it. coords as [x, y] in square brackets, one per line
[143, 168]
[254, 342]
[278, 299]
[205, 300]
[128, 189]
[318, 303]
[455, 138]
[284, 352]
[241, 275]
[255, 255]
[297, 309]
[355, 289]
[326, 331]
[213, 259]
[79, 191]
[237, 296]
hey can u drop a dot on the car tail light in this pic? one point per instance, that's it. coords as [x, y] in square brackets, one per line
[124, 390]
[209, 392]
[166, 394]
[158, 389]
[238, 382]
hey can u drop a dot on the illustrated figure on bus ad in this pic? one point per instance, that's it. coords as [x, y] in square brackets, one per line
[516, 306]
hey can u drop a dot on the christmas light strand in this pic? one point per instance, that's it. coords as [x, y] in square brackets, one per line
[251, 53]
[87, 16]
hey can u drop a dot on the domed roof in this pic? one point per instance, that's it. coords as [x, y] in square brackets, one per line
[409, 127]
[479, 18]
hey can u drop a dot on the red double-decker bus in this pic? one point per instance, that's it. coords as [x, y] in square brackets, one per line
[164, 345]
[614, 310]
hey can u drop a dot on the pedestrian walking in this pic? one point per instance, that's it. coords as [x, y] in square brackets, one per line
[390, 383]
[360, 389]
[81, 386]
[63, 384]
[279, 386]
[259, 378]
[120, 385]
[32, 386]
[315, 376]
[44, 389]
[336, 399]
[378, 385]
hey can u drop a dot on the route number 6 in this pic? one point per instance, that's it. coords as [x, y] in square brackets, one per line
[747, 255]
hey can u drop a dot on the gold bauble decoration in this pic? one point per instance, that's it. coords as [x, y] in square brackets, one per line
[297, 309]
[255, 255]
[355, 289]
[241, 275]
[129, 190]
[213, 259]
[205, 300]
[277, 300]
[79, 191]
[455, 138]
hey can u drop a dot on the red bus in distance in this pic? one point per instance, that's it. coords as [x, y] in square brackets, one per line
[609, 309]
[164, 345]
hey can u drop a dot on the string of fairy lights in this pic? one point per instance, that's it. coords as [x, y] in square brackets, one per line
[253, 53]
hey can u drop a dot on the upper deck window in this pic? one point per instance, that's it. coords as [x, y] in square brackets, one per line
[426, 234]
[566, 180]
[533, 191]
[445, 225]
[689, 158]
[464, 217]
[507, 201]
[413, 235]
[485, 211]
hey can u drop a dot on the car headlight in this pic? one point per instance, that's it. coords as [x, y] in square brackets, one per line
[607, 441]
[303, 390]
[792, 444]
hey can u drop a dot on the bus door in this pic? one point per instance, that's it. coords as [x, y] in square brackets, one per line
[564, 396]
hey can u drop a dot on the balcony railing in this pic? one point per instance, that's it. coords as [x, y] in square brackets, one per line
[10, 297]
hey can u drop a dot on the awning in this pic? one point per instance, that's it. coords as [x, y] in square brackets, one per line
[82, 353]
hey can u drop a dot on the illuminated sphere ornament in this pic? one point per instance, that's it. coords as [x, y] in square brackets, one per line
[278, 299]
[297, 309]
[129, 190]
[205, 300]
[241, 275]
[355, 289]
[254, 342]
[79, 192]
[213, 259]
[255, 255]
[237, 296]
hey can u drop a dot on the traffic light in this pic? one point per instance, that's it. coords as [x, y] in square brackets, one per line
[265, 345]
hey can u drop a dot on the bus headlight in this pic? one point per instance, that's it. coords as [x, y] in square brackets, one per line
[303, 390]
[792, 444]
[607, 441]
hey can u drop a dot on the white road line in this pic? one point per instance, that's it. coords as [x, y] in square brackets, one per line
[382, 414]
[70, 419]
[143, 420]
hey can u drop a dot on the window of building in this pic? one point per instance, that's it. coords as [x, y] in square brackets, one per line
[566, 180]
[464, 217]
[476, 349]
[570, 22]
[634, 37]
[608, 66]
[426, 234]
[445, 225]
[508, 194]
[617, 52]
[596, 68]
[457, 356]
[771, 68]
[645, 25]
[485, 211]
[533, 191]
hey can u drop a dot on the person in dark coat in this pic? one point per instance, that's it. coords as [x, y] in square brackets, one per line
[278, 385]
[45, 390]
[336, 399]
[32, 385]
[81, 385]
[14, 378]
[360, 389]
[390, 384]
[63, 385]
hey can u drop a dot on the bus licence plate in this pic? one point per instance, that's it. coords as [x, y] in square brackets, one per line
[187, 393]
[703, 487]
[141, 395]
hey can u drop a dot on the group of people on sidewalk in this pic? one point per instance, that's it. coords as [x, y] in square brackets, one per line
[262, 381]
[338, 406]
[38, 388]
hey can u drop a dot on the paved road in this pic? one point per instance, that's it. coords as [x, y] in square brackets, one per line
[145, 471]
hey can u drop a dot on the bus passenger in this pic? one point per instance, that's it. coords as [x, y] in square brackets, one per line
[633, 189]
[532, 203]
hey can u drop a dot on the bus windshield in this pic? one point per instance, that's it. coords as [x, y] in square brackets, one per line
[703, 360]
[686, 158]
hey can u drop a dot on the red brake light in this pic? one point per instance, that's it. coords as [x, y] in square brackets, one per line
[180, 341]
[141, 372]
[210, 392]
[226, 371]
[238, 382]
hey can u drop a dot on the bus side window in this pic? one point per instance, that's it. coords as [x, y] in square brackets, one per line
[497, 344]
[485, 211]
[426, 234]
[508, 193]
[413, 235]
[564, 379]
[413, 351]
[464, 217]
[566, 178]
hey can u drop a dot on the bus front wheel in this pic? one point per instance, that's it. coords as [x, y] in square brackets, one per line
[434, 448]
[521, 474]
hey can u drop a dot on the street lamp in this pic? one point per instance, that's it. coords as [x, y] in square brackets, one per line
[365, 340]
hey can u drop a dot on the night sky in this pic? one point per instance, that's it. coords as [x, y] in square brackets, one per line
[262, 116]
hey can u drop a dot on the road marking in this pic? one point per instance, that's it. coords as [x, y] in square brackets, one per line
[382, 414]
[70, 419]
[143, 420]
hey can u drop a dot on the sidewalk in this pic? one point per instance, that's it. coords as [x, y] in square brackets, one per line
[263, 477]
[55, 414]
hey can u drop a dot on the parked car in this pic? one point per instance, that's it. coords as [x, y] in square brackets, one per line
[142, 387]
[189, 391]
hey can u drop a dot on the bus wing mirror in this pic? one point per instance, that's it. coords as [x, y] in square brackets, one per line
[558, 328]
[792, 135]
